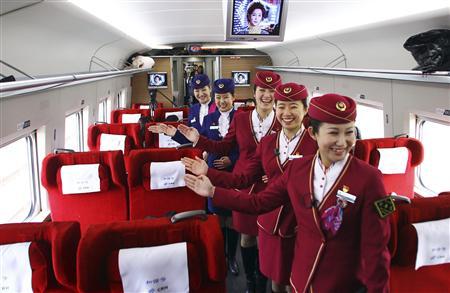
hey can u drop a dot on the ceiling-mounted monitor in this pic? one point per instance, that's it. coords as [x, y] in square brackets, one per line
[249, 20]
[241, 78]
[157, 80]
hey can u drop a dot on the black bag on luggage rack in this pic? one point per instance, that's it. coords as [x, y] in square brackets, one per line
[431, 50]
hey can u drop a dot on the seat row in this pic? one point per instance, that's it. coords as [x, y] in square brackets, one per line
[158, 115]
[94, 187]
[53, 257]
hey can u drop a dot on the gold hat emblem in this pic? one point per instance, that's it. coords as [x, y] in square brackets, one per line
[287, 90]
[268, 79]
[197, 81]
[341, 106]
[221, 85]
[345, 188]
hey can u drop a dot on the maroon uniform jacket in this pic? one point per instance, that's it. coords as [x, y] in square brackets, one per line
[240, 133]
[280, 221]
[356, 255]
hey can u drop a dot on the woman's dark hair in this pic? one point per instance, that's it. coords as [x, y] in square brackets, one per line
[252, 7]
[315, 124]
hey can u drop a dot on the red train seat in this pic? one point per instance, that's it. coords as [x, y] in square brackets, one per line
[51, 254]
[98, 267]
[106, 201]
[152, 140]
[145, 201]
[145, 106]
[404, 277]
[131, 115]
[162, 113]
[400, 183]
[123, 137]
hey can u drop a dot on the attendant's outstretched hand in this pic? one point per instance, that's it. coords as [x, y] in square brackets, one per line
[200, 185]
[222, 163]
[196, 166]
[189, 132]
[169, 130]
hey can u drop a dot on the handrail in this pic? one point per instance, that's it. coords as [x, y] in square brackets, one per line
[409, 75]
[62, 80]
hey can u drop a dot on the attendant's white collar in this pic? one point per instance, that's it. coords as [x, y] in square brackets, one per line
[270, 115]
[338, 164]
[294, 137]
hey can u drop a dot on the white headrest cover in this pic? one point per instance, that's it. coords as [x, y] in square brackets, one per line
[15, 268]
[393, 160]
[155, 269]
[83, 178]
[165, 141]
[179, 114]
[144, 107]
[238, 104]
[130, 118]
[165, 175]
[433, 245]
[112, 142]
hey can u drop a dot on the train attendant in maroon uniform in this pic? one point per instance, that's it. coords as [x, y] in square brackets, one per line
[277, 229]
[246, 131]
[339, 202]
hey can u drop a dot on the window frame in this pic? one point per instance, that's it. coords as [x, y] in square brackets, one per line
[417, 121]
[80, 116]
[33, 174]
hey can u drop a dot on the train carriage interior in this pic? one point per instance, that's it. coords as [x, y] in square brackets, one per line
[90, 197]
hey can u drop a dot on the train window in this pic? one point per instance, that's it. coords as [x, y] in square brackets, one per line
[370, 120]
[18, 180]
[76, 129]
[122, 98]
[435, 137]
[104, 110]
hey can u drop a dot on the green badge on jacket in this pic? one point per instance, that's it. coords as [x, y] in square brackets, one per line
[385, 206]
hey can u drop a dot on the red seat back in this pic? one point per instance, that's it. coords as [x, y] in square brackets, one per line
[97, 261]
[402, 184]
[116, 115]
[160, 114]
[145, 106]
[404, 277]
[109, 204]
[245, 108]
[52, 252]
[146, 202]
[152, 139]
[132, 141]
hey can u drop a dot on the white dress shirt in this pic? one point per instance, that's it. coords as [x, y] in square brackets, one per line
[204, 109]
[287, 145]
[324, 179]
[261, 127]
[224, 122]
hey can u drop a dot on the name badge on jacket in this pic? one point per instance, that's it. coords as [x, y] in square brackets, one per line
[292, 157]
[214, 127]
[193, 120]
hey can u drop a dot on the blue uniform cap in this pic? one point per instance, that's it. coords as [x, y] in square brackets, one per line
[199, 81]
[223, 85]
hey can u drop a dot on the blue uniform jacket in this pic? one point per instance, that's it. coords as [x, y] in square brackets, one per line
[210, 129]
[193, 121]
